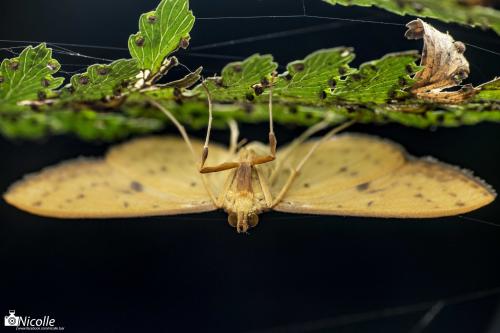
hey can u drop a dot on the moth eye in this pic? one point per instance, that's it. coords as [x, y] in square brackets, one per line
[232, 219]
[253, 220]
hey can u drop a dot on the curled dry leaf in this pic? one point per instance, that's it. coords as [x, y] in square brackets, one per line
[444, 65]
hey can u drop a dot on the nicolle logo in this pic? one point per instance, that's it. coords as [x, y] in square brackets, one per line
[28, 323]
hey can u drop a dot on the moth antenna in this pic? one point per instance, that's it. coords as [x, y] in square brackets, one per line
[272, 137]
[185, 136]
[235, 133]
[177, 124]
[209, 126]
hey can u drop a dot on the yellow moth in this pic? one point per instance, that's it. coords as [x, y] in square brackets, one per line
[347, 174]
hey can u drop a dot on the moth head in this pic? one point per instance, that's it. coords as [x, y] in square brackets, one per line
[242, 221]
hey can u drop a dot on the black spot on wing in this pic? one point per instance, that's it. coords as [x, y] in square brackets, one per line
[363, 187]
[136, 186]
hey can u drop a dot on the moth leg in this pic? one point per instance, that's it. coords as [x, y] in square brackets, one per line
[204, 154]
[295, 144]
[227, 185]
[265, 188]
[272, 138]
[185, 136]
[295, 171]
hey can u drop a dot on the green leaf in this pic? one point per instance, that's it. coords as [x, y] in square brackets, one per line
[309, 80]
[29, 76]
[102, 81]
[443, 10]
[86, 124]
[380, 80]
[238, 78]
[490, 91]
[161, 32]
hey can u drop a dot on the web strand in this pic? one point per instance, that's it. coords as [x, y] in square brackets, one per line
[352, 319]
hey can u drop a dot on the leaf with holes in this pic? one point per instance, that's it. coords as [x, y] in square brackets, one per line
[101, 81]
[379, 81]
[29, 76]
[457, 11]
[242, 80]
[161, 32]
[310, 79]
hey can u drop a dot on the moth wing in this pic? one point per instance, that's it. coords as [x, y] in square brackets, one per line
[339, 164]
[166, 164]
[86, 188]
[416, 188]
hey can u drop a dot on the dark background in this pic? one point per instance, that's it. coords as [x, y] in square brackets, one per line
[194, 273]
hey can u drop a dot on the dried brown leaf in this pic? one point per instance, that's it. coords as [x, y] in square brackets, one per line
[445, 65]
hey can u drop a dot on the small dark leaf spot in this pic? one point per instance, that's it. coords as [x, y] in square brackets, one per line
[152, 19]
[356, 77]
[237, 68]
[103, 71]
[409, 69]
[342, 70]
[264, 82]
[83, 80]
[184, 43]
[1, 79]
[258, 89]
[322, 94]
[363, 187]
[14, 65]
[288, 77]
[45, 83]
[136, 186]
[332, 83]
[139, 41]
[249, 96]
[402, 81]
[41, 95]
[298, 67]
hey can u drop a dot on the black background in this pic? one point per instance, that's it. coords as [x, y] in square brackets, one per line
[194, 273]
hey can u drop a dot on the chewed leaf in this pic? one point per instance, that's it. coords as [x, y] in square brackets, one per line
[161, 32]
[238, 79]
[379, 81]
[310, 79]
[29, 76]
[102, 81]
[444, 10]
